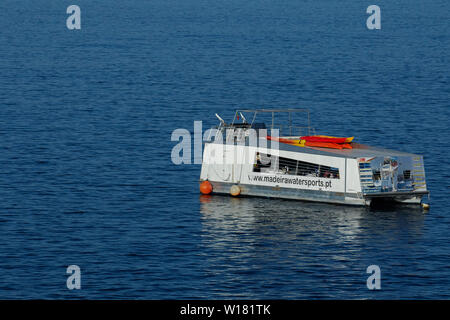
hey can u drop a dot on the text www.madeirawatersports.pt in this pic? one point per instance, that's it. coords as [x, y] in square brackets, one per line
[296, 181]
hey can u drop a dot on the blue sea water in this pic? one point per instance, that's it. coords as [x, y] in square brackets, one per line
[86, 176]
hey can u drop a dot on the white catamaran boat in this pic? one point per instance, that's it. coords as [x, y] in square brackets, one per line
[244, 160]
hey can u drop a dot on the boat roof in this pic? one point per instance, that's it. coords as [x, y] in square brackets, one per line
[358, 151]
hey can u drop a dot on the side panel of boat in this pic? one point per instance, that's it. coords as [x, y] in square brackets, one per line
[352, 183]
[222, 162]
[293, 175]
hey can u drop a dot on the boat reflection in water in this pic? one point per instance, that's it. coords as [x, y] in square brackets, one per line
[275, 248]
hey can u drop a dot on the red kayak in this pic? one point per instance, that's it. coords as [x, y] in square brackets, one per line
[327, 139]
[303, 143]
[330, 145]
[283, 140]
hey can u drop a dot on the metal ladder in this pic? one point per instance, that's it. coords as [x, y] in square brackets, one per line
[366, 177]
[418, 174]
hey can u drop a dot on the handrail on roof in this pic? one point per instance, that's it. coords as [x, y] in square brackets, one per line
[290, 111]
[273, 110]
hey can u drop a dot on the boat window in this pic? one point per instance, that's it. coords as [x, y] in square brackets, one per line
[407, 174]
[263, 162]
[280, 165]
[287, 166]
[376, 175]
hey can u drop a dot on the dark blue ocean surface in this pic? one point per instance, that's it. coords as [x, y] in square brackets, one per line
[86, 176]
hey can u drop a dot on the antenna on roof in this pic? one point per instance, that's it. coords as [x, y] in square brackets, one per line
[243, 118]
[220, 119]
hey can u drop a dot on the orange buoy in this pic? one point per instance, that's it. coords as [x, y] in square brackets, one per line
[235, 190]
[206, 187]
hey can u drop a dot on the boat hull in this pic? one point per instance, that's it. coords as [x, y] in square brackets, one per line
[354, 199]
[290, 193]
